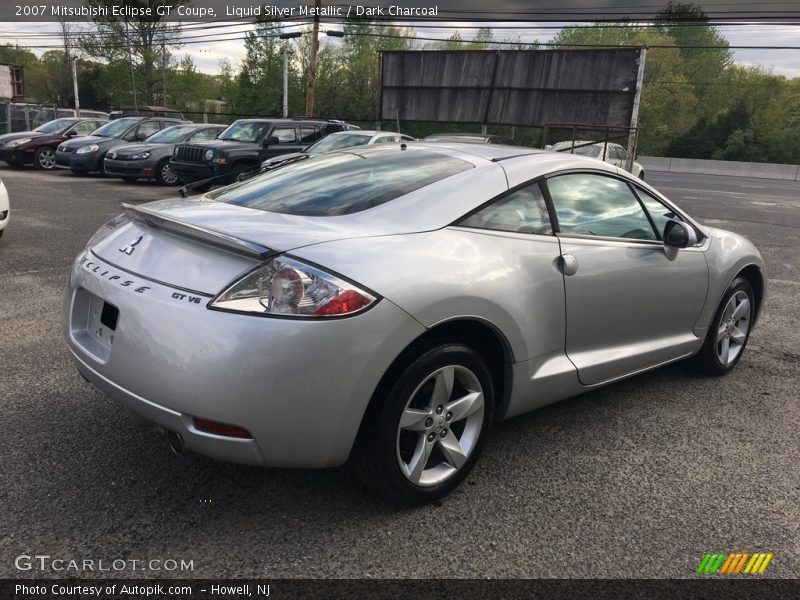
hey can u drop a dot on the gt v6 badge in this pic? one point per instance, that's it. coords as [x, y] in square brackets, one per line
[131, 247]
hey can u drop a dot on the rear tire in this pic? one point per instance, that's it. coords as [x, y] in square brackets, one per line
[729, 332]
[430, 427]
[641, 175]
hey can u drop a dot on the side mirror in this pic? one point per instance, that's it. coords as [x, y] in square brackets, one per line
[71, 133]
[678, 234]
[141, 136]
[271, 140]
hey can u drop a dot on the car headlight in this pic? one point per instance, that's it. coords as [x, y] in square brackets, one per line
[87, 149]
[209, 154]
[18, 142]
[290, 288]
[140, 155]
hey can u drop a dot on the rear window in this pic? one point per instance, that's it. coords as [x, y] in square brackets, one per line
[342, 183]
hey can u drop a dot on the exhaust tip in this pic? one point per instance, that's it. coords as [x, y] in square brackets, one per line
[176, 442]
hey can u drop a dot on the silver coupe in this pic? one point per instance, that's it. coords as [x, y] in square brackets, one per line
[386, 304]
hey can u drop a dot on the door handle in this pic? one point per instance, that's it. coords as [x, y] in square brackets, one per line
[569, 264]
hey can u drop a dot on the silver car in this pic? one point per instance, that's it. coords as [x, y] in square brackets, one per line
[150, 159]
[387, 303]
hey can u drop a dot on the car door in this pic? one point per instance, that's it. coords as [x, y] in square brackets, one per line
[288, 141]
[83, 128]
[631, 302]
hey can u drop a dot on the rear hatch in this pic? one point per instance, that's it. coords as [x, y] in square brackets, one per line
[201, 245]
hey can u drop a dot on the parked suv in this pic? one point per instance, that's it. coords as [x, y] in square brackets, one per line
[87, 154]
[38, 147]
[244, 145]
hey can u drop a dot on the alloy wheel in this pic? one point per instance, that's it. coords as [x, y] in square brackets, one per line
[440, 425]
[733, 328]
[47, 159]
[168, 175]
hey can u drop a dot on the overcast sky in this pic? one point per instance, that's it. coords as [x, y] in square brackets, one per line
[207, 55]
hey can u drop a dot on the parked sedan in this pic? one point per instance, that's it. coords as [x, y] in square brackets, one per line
[87, 154]
[390, 302]
[610, 152]
[338, 141]
[38, 147]
[150, 159]
[5, 208]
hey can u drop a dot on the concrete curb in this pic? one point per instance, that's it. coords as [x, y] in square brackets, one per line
[721, 167]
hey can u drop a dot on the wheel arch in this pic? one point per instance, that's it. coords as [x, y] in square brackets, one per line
[478, 334]
[755, 277]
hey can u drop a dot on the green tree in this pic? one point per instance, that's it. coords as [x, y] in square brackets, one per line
[140, 41]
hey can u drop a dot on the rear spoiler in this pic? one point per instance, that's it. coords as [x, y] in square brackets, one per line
[158, 220]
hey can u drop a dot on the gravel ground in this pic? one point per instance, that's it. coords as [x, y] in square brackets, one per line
[638, 479]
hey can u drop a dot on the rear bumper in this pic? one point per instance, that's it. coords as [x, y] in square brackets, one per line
[299, 387]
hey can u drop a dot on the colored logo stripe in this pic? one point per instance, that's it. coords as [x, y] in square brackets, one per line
[734, 563]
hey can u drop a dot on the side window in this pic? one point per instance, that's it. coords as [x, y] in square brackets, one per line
[658, 212]
[331, 128]
[523, 211]
[285, 135]
[386, 139]
[309, 134]
[621, 152]
[588, 204]
[148, 128]
[204, 135]
[85, 128]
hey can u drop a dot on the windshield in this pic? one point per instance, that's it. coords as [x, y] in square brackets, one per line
[116, 128]
[170, 135]
[57, 126]
[244, 131]
[337, 141]
[342, 183]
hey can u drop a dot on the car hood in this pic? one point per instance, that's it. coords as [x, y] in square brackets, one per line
[86, 141]
[9, 137]
[223, 144]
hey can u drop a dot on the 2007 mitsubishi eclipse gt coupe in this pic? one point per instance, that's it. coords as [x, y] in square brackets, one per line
[388, 303]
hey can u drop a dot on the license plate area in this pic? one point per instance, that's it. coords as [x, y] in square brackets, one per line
[93, 325]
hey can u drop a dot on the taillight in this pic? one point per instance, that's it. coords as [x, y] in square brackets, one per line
[289, 288]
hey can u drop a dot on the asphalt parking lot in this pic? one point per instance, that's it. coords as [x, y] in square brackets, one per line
[638, 479]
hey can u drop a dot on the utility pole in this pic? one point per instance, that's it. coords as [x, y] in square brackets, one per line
[285, 83]
[74, 60]
[130, 62]
[164, 69]
[312, 64]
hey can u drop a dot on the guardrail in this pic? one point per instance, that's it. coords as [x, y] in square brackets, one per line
[721, 167]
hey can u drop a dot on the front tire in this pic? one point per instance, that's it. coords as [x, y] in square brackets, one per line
[430, 428]
[729, 332]
[44, 159]
[164, 174]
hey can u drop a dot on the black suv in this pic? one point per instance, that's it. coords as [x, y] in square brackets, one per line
[245, 144]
